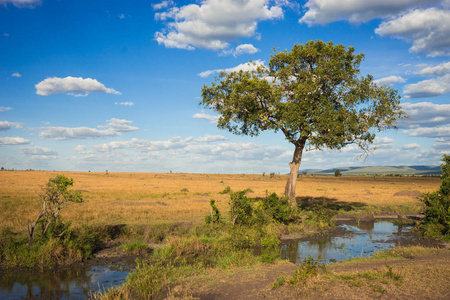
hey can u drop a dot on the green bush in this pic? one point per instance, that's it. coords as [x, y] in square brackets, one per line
[52, 248]
[437, 206]
[214, 216]
[241, 208]
[278, 208]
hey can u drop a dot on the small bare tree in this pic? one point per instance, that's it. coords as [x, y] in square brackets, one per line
[56, 195]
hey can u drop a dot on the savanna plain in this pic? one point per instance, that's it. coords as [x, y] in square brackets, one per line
[160, 218]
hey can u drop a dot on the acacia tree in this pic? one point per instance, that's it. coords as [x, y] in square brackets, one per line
[313, 94]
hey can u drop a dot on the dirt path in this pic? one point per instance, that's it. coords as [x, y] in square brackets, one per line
[420, 277]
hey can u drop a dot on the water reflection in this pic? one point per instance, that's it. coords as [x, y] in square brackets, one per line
[74, 283]
[351, 240]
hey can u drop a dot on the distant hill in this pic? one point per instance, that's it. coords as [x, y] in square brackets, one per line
[387, 170]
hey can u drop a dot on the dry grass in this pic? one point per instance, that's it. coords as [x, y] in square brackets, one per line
[148, 198]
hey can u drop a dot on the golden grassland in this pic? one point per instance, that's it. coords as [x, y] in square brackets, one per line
[151, 198]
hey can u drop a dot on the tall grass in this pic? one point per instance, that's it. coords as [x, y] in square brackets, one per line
[148, 199]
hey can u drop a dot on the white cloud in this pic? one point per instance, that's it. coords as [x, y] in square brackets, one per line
[2, 109]
[431, 132]
[163, 4]
[6, 125]
[21, 3]
[438, 70]
[383, 143]
[122, 16]
[204, 116]
[426, 114]
[249, 66]
[146, 145]
[214, 23]
[81, 149]
[72, 84]
[390, 80]
[40, 153]
[411, 146]
[429, 88]
[245, 49]
[114, 127]
[443, 146]
[128, 103]
[428, 30]
[4, 141]
[17, 74]
[356, 11]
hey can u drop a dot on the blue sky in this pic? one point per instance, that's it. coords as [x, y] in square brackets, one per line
[115, 85]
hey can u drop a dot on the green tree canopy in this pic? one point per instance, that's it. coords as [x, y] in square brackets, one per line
[314, 94]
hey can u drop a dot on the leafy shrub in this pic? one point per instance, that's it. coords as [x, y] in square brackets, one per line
[241, 208]
[278, 208]
[214, 216]
[437, 205]
[55, 196]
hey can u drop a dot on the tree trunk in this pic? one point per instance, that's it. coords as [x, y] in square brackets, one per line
[289, 191]
[31, 227]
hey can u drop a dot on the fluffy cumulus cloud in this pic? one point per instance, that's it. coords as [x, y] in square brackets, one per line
[4, 141]
[427, 29]
[75, 86]
[114, 127]
[438, 70]
[212, 24]
[430, 132]
[383, 143]
[39, 153]
[240, 50]
[433, 87]
[249, 66]
[205, 116]
[426, 114]
[17, 74]
[147, 145]
[6, 125]
[356, 11]
[243, 152]
[21, 3]
[390, 80]
[428, 88]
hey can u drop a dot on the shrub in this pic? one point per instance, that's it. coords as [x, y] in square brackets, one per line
[56, 195]
[241, 208]
[437, 205]
[337, 173]
[278, 208]
[214, 217]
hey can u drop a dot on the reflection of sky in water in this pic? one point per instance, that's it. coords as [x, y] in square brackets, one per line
[89, 279]
[355, 242]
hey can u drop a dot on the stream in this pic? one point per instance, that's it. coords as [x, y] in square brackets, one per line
[348, 240]
[68, 283]
[352, 239]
